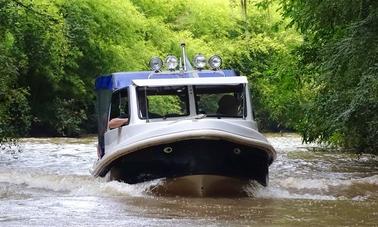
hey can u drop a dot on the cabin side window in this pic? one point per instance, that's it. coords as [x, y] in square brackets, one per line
[119, 109]
[163, 102]
[220, 100]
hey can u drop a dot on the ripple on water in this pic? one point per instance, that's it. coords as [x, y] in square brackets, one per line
[50, 183]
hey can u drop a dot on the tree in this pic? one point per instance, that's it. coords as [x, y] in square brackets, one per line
[52, 51]
[341, 40]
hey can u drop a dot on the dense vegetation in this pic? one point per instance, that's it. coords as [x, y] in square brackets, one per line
[341, 53]
[312, 64]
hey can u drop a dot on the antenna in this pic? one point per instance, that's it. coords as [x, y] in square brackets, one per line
[183, 56]
[185, 61]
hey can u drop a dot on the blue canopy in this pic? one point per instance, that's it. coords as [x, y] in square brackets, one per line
[119, 80]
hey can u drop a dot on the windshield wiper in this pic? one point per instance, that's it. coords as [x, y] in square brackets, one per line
[200, 116]
[170, 115]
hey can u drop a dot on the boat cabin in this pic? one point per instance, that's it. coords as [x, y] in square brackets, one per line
[170, 97]
[156, 98]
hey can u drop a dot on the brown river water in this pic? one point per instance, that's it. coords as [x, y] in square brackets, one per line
[49, 184]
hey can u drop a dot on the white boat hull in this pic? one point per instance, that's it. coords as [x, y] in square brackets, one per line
[196, 158]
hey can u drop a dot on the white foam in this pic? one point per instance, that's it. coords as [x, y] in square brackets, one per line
[78, 185]
[361, 198]
[318, 184]
[314, 189]
[280, 193]
[324, 184]
[367, 180]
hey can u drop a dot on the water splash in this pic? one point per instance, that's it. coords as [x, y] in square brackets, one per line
[316, 189]
[75, 185]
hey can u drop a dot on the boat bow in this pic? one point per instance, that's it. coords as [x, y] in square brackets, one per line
[186, 130]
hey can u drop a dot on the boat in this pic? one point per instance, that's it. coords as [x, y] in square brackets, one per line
[190, 124]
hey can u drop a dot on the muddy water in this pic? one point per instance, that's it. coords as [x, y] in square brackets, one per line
[49, 184]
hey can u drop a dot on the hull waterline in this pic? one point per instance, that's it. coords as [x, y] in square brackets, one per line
[201, 186]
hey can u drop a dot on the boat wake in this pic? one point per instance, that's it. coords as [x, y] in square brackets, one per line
[359, 189]
[71, 185]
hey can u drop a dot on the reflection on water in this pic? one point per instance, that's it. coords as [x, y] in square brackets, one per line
[49, 184]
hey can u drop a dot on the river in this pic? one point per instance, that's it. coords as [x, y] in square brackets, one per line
[49, 184]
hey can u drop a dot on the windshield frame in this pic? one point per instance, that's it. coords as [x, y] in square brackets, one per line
[242, 105]
[142, 92]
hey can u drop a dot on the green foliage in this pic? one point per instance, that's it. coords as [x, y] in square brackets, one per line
[68, 117]
[14, 115]
[322, 82]
[343, 36]
[266, 54]
[14, 106]
[51, 52]
[165, 104]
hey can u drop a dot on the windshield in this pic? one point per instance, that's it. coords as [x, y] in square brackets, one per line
[220, 100]
[163, 102]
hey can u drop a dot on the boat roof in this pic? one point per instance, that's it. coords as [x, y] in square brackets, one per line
[120, 80]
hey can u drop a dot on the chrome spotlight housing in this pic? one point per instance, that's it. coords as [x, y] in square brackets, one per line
[215, 62]
[155, 64]
[171, 62]
[199, 61]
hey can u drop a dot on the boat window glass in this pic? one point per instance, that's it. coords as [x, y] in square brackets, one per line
[163, 102]
[119, 107]
[220, 100]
